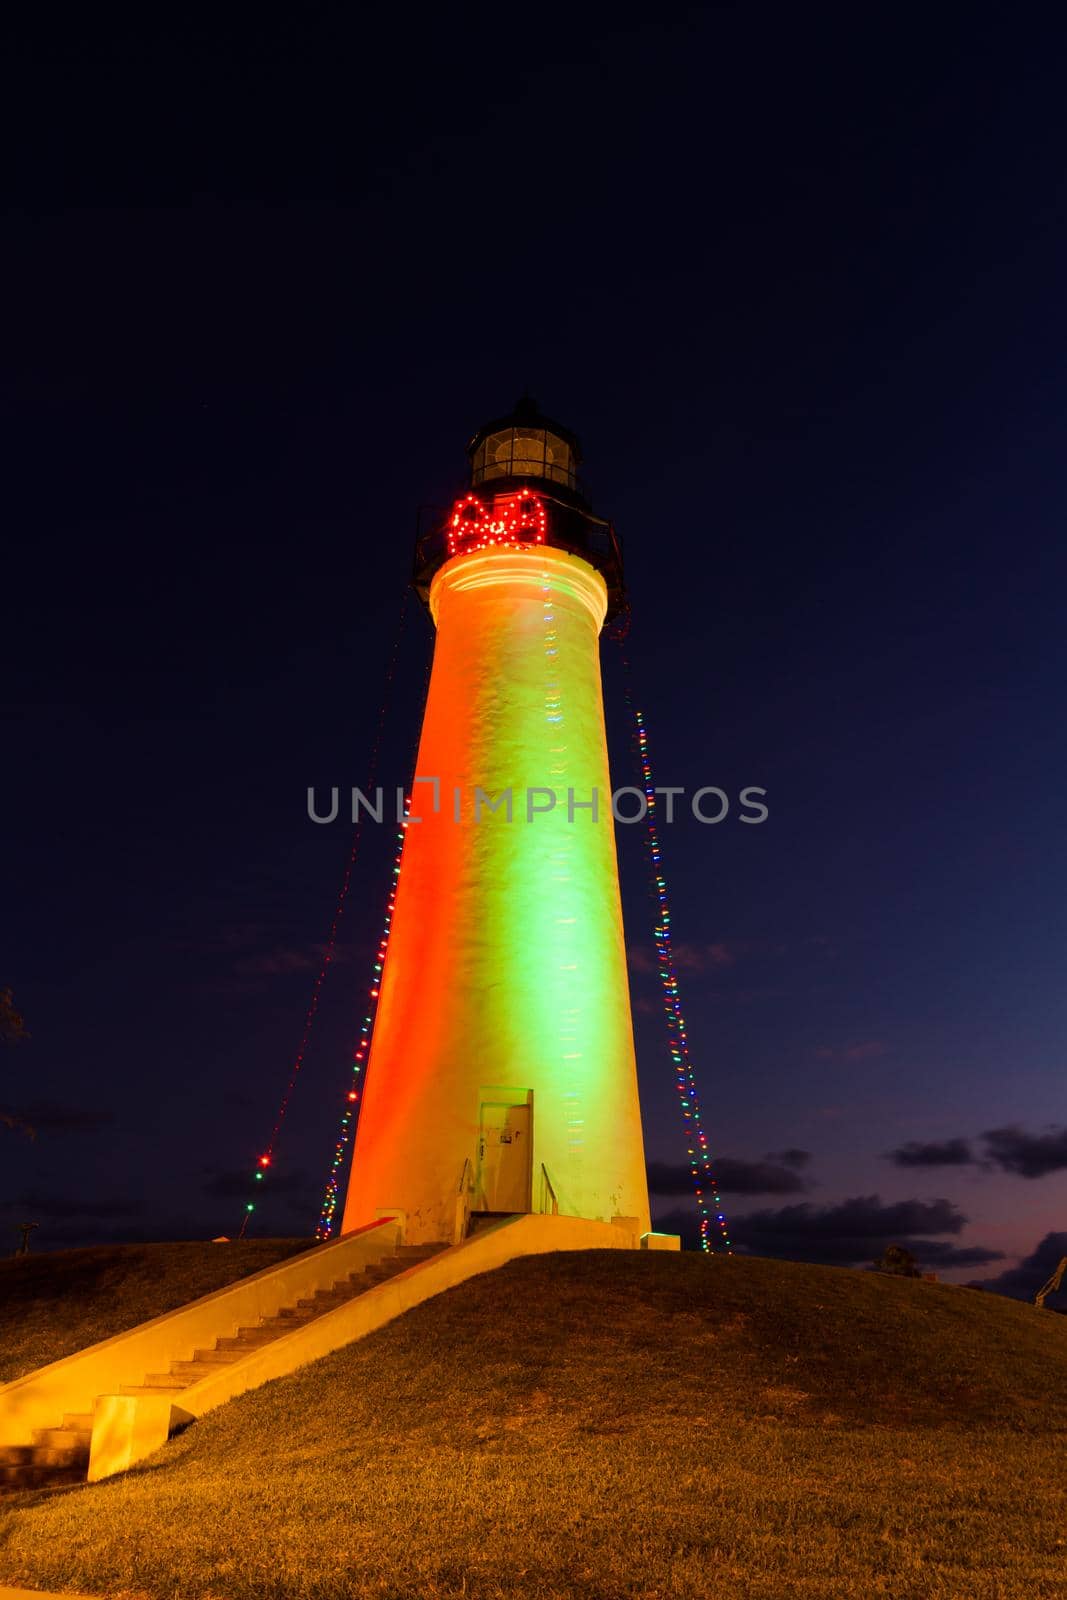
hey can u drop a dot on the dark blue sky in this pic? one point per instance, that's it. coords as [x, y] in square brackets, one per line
[796, 277]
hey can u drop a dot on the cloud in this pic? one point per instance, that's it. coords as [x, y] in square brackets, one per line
[680, 1222]
[1023, 1282]
[693, 958]
[47, 1116]
[935, 1153]
[241, 1185]
[858, 1050]
[791, 1157]
[718, 956]
[12, 1120]
[1012, 1149]
[732, 1177]
[238, 1100]
[281, 963]
[87, 1233]
[252, 954]
[70, 1206]
[849, 1233]
[714, 957]
[721, 954]
[862, 1217]
[937, 1253]
[1028, 1155]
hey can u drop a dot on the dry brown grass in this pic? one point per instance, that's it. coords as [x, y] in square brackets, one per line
[606, 1425]
[52, 1305]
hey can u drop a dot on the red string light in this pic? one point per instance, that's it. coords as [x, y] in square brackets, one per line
[266, 1159]
[515, 519]
[350, 1112]
[331, 1195]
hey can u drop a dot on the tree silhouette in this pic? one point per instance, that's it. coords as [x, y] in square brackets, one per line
[12, 1031]
[897, 1261]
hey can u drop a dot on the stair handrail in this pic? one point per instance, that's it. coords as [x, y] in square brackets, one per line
[463, 1204]
[551, 1190]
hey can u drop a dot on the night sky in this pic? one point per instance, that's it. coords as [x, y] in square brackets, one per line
[796, 276]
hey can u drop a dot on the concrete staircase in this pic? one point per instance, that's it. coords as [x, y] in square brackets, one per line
[479, 1221]
[224, 1352]
[56, 1456]
[61, 1455]
[245, 1341]
[103, 1409]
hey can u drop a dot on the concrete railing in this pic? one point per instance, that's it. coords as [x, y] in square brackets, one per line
[42, 1398]
[492, 1247]
[127, 1428]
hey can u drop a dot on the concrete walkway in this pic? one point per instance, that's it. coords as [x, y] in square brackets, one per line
[40, 1594]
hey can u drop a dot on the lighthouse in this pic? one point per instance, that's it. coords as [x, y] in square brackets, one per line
[501, 1077]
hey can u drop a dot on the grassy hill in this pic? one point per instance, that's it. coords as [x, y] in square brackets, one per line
[52, 1305]
[611, 1425]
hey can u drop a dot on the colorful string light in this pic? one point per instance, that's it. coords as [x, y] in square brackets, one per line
[331, 1195]
[515, 519]
[353, 1095]
[264, 1161]
[677, 1035]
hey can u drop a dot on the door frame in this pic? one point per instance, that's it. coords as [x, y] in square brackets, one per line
[497, 1094]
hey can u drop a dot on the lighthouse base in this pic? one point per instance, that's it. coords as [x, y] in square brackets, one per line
[455, 1224]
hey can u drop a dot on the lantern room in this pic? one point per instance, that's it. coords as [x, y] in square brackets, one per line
[525, 445]
[523, 490]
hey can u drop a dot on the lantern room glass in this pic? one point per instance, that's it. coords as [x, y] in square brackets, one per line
[524, 453]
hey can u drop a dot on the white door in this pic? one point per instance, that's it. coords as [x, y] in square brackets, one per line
[504, 1158]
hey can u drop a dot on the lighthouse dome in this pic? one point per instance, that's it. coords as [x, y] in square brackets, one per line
[525, 445]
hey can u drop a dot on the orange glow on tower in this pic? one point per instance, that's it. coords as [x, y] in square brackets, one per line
[501, 1075]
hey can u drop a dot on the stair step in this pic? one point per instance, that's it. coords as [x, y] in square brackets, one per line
[62, 1438]
[64, 1458]
[13, 1457]
[60, 1454]
[42, 1455]
[32, 1476]
[192, 1371]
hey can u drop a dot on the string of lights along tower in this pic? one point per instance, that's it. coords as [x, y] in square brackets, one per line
[494, 1072]
[501, 1075]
